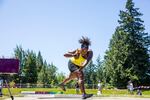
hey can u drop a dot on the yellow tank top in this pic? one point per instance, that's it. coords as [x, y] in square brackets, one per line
[78, 61]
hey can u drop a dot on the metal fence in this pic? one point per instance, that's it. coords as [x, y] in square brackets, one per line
[71, 86]
[29, 85]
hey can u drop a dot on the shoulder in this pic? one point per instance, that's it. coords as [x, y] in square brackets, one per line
[90, 51]
[78, 50]
[75, 51]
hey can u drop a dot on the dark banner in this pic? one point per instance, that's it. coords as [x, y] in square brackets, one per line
[8, 66]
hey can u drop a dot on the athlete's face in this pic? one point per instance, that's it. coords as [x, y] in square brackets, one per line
[84, 51]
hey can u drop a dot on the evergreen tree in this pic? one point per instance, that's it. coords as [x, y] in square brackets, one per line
[99, 69]
[30, 68]
[42, 76]
[60, 77]
[19, 54]
[128, 57]
[51, 74]
[39, 61]
[33, 70]
[90, 75]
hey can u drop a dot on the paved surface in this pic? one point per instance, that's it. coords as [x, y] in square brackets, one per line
[93, 98]
[72, 97]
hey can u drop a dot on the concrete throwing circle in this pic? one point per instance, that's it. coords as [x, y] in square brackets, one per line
[72, 97]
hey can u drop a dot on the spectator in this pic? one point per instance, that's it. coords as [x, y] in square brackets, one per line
[139, 92]
[99, 85]
[77, 88]
[1, 86]
[130, 87]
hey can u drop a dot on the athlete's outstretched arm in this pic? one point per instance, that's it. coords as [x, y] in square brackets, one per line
[70, 54]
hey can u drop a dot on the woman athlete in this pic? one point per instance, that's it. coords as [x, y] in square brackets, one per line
[79, 58]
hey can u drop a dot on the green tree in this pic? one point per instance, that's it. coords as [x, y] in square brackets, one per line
[116, 73]
[60, 77]
[19, 54]
[39, 61]
[51, 74]
[90, 75]
[43, 75]
[33, 70]
[99, 69]
[128, 57]
[30, 68]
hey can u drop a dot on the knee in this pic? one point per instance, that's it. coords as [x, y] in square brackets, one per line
[80, 81]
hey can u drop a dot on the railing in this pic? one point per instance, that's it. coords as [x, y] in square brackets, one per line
[87, 86]
[29, 85]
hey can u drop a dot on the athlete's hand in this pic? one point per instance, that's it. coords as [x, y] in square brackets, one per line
[84, 63]
[76, 56]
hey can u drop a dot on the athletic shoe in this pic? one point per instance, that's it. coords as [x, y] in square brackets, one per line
[85, 96]
[62, 87]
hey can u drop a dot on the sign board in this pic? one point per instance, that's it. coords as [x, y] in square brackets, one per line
[9, 66]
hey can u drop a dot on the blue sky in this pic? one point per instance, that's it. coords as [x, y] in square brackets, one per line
[54, 26]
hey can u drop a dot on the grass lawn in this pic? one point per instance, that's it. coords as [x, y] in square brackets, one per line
[108, 92]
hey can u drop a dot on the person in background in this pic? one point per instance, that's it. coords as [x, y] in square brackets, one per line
[130, 87]
[139, 92]
[79, 58]
[77, 87]
[1, 86]
[99, 85]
